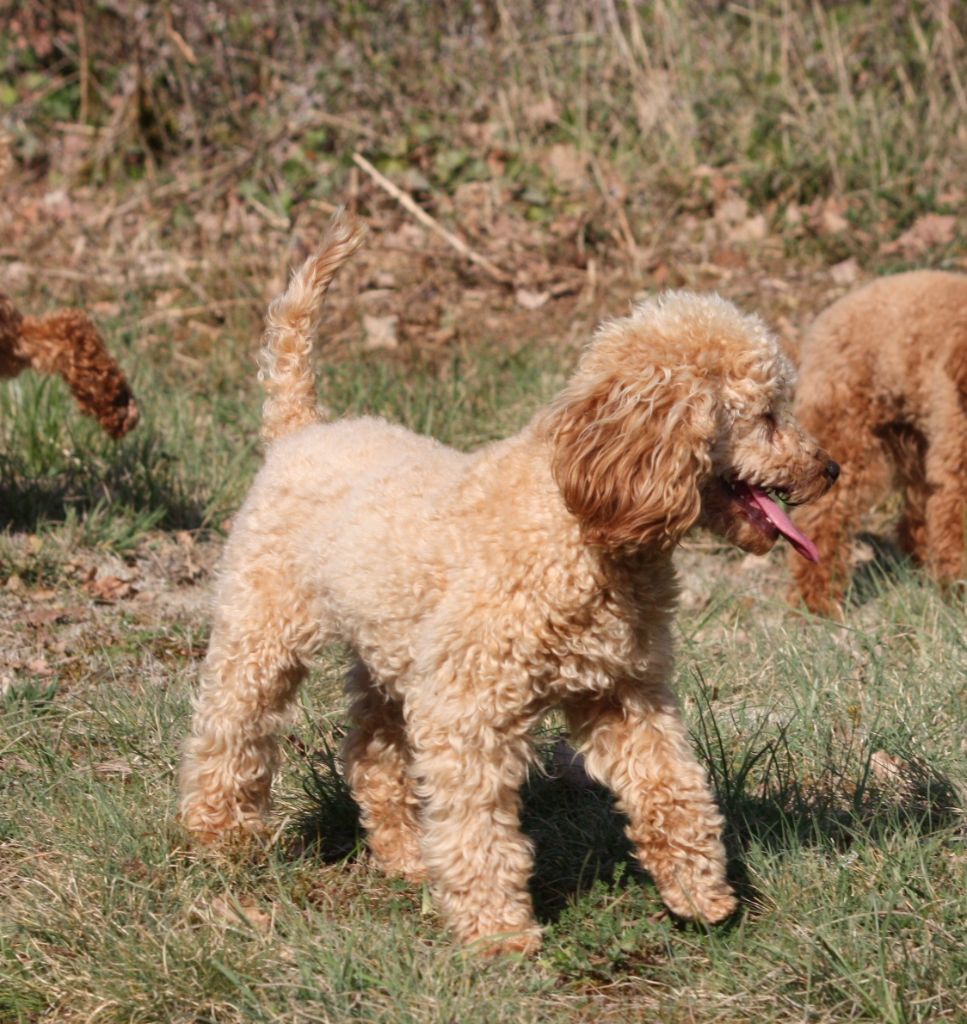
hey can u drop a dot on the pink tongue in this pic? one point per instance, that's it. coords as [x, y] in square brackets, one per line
[783, 524]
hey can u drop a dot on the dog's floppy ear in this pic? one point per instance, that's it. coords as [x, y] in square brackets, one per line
[629, 455]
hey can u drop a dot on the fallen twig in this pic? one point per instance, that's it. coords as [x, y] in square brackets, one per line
[186, 312]
[424, 218]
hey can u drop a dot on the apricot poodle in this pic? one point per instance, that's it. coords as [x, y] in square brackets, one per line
[479, 590]
[883, 386]
[67, 343]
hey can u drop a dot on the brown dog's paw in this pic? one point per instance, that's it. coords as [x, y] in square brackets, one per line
[524, 943]
[712, 905]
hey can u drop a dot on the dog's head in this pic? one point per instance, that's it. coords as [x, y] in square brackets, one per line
[680, 415]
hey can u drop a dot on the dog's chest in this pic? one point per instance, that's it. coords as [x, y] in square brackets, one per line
[619, 631]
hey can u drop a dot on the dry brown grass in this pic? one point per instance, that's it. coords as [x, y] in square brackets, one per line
[186, 155]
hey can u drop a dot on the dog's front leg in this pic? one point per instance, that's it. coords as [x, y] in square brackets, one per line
[634, 741]
[468, 774]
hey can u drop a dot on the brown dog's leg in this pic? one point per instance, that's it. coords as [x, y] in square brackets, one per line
[12, 359]
[946, 472]
[908, 449]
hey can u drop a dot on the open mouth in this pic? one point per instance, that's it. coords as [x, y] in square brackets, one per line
[760, 506]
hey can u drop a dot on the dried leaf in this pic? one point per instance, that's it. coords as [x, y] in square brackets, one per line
[927, 232]
[44, 616]
[792, 215]
[730, 259]
[543, 112]
[827, 216]
[732, 210]
[118, 767]
[109, 589]
[567, 166]
[531, 300]
[753, 229]
[244, 911]
[660, 275]
[381, 331]
[889, 770]
[845, 273]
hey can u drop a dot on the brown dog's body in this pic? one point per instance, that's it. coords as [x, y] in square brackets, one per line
[883, 385]
[67, 343]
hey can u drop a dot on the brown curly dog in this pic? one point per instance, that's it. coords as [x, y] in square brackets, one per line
[68, 343]
[883, 386]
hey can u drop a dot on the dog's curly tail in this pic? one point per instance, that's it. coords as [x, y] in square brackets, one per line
[285, 369]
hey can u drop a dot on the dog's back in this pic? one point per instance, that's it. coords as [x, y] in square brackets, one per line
[890, 338]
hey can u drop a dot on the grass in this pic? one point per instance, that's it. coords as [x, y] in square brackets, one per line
[853, 881]
[167, 169]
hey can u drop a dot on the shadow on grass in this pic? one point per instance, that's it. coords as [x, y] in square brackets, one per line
[579, 834]
[889, 564]
[137, 485]
[773, 799]
[579, 841]
[328, 828]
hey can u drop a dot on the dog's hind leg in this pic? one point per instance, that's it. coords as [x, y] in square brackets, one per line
[907, 447]
[250, 677]
[946, 472]
[635, 742]
[831, 522]
[377, 760]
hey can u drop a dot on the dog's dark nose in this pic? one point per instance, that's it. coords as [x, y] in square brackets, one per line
[832, 471]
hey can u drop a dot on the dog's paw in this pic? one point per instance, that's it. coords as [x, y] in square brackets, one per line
[712, 904]
[225, 832]
[522, 943]
[396, 852]
[410, 868]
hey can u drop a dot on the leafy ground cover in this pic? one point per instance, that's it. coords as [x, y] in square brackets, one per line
[165, 166]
